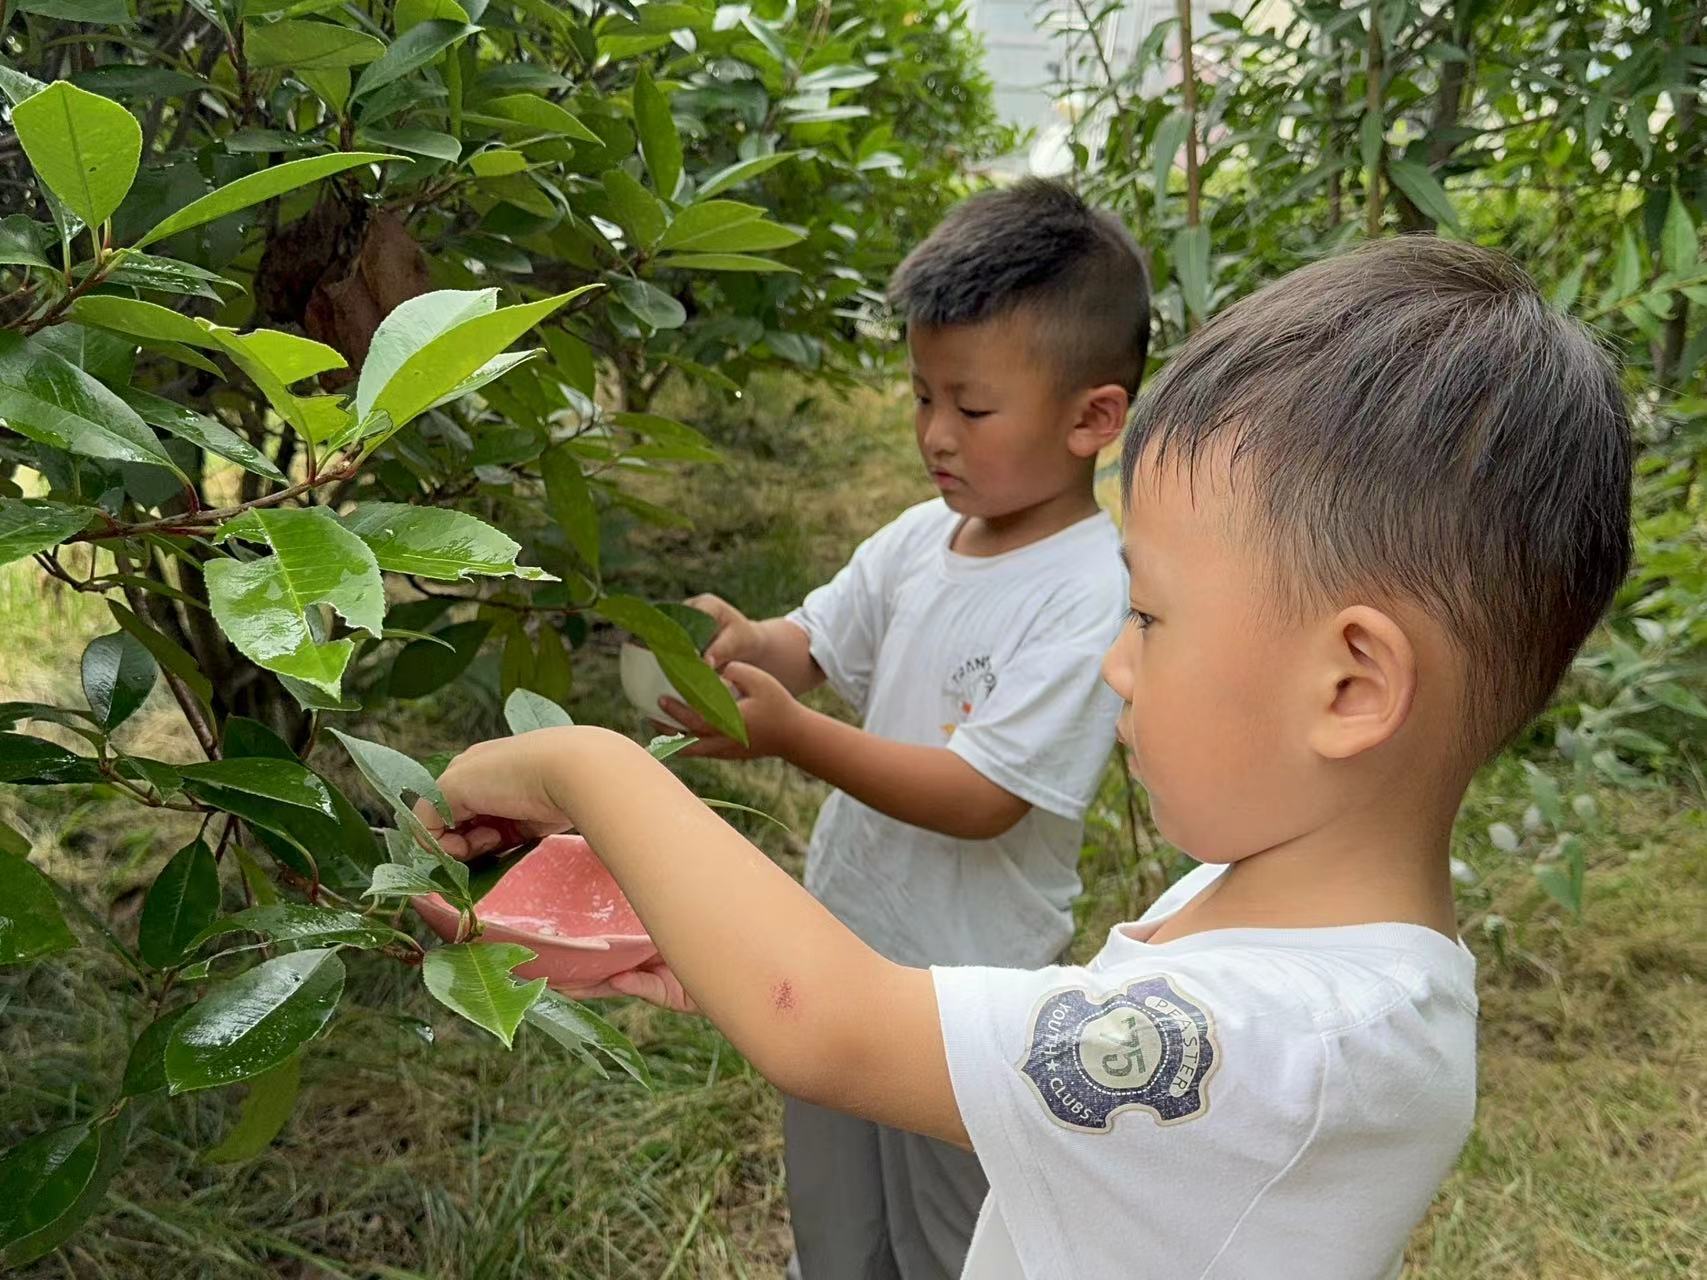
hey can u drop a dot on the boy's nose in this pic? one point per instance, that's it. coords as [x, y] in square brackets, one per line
[1114, 671]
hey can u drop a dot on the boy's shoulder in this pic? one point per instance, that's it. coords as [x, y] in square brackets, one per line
[1261, 1078]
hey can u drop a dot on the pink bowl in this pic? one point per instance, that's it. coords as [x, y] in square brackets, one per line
[559, 902]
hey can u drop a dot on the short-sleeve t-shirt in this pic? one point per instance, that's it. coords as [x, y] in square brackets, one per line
[1235, 1103]
[998, 659]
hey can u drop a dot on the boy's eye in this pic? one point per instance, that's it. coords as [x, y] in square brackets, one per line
[976, 413]
[1139, 619]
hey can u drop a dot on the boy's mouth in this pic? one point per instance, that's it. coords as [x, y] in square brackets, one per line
[945, 479]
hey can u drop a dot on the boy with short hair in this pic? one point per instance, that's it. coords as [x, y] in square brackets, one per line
[1372, 512]
[965, 634]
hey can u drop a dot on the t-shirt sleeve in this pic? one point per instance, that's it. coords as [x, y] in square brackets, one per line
[844, 619]
[1046, 729]
[1118, 1109]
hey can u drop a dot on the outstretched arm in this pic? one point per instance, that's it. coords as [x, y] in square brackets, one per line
[929, 787]
[820, 1014]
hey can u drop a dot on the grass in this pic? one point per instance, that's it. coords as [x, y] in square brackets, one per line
[458, 1160]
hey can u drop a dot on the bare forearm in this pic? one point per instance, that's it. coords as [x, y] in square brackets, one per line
[928, 787]
[809, 1004]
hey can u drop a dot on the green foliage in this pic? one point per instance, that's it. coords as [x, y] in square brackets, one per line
[329, 340]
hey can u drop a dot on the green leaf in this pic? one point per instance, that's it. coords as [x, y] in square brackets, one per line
[394, 880]
[1679, 250]
[302, 45]
[31, 925]
[23, 242]
[525, 711]
[167, 653]
[203, 432]
[250, 1024]
[50, 1185]
[577, 1028]
[473, 979]
[666, 745]
[722, 262]
[286, 781]
[425, 665]
[1371, 133]
[541, 115]
[659, 143]
[105, 12]
[1164, 150]
[637, 210]
[145, 1069]
[1670, 694]
[1424, 190]
[675, 650]
[118, 675]
[437, 543]
[86, 148]
[27, 526]
[274, 360]
[420, 142]
[182, 902]
[828, 79]
[742, 171]
[139, 319]
[13, 842]
[271, 1099]
[257, 187]
[1627, 270]
[651, 304]
[725, 226]
[571, 502]
[154, 274]
[1565, 293]
[573, 359]
[397, 779]
[1191, 265]
[316, 926]
[262, 605]
[36, 761]
[450, 357]
[499, 162]
[411, 51]
[411, 326]
[52, 401]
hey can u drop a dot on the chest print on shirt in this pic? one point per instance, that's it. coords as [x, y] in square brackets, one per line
[1147, 1046]
[965, 691]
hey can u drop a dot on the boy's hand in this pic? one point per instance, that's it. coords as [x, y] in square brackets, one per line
[737, 638]
[652, 982]
[497, 790]
[769, 710]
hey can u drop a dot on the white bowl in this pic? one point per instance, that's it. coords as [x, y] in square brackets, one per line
[644, 681]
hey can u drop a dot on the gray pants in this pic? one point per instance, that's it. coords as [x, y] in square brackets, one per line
[874, 1203]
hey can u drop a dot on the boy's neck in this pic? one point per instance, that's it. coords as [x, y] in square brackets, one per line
[1354, 872]
[997, 535]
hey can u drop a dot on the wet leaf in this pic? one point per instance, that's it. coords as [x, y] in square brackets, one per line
[118, 675]
[181, 903]
[86, 148]
[433, 542]
[27, 527]
[31, 925]
[248, 1025]
[474, 980]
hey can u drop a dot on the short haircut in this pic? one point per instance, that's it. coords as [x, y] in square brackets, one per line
[1036, 249]
[1413, 419]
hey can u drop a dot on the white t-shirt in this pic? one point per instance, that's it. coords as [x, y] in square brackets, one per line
[1248, 1103]
[999, 659]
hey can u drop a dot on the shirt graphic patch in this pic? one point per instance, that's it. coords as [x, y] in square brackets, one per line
[1147, 1046]
[972, 681]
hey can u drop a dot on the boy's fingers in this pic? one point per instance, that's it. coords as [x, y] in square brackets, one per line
[687, 717]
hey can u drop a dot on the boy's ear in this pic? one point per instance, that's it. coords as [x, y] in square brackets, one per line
[1368, 685]
[1102, 417]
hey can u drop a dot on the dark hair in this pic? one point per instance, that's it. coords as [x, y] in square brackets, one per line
[1413, 418]
[1036, 248]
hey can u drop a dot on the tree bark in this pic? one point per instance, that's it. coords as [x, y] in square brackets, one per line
[1372, 105]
